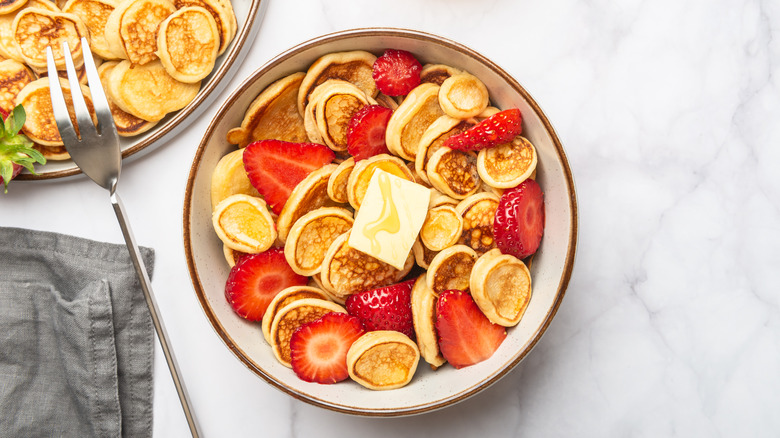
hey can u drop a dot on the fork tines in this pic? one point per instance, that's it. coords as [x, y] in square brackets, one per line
[86, 127]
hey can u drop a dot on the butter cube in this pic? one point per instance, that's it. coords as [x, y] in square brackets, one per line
[390, 218]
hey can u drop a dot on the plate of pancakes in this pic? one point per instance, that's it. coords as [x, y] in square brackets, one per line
[161, 62]
[288, 99]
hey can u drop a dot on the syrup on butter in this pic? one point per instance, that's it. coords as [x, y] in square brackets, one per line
[390, 218]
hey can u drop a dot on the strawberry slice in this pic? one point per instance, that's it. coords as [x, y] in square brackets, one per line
[386, 308]
[256, 279]
[319, 349]
[466, 336]
[519, 222]
[275, 167]
[493, 131]
[366, 133]
[396, 72]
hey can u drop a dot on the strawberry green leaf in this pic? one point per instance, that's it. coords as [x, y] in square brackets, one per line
[16, 148]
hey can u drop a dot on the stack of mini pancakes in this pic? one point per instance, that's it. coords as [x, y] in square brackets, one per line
[152, 56]
[455, 248]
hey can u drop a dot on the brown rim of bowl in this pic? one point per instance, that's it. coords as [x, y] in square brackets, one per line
[428, 38]
[159, 132]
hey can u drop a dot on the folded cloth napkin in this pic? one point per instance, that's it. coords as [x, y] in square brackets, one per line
[76, 338]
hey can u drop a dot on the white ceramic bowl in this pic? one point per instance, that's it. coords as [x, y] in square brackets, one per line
[428, 390]
[249, 16]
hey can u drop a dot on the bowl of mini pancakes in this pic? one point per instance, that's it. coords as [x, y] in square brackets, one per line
[283, 100]
[160, 62]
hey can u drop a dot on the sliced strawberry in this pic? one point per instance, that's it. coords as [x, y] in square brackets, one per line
[256, 279]
[396, 72]
[519, 223]
[366, 133]
[386, 308]
[275, 167]
[493, 131]
[319, 349]
[466, 336]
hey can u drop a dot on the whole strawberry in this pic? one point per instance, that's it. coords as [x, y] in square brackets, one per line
[386, 308]
[16, 150]
[519, 222]
[497, 129]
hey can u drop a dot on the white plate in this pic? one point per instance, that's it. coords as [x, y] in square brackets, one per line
[428, 390]
[249, 16]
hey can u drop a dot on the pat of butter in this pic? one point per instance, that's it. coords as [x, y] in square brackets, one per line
[389, 219]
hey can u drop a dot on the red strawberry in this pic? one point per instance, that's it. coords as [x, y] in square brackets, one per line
[256, 279]
[386, 308]
[495, 130]
[319, 349]
[466, 336]
[366, 133]
[275, 167]
[519, 223]
[396, 72]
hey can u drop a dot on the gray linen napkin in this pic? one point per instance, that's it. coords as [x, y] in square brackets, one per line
[76, 338]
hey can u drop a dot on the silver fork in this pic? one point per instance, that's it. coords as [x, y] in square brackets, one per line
[96, 151]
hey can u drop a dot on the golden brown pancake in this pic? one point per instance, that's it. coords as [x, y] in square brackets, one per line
[39, 124]
[94, 14]
[223, 15]
[126, 124]
[501, 286]
[312, 235]
[310, 194]
[187, 44]
[31, 23]
[508, 164]
[273, 115]
[355, 67]
[284, 297]
[451, 269]
[13, 77]
[383, 359]
[409, 122]
[478, 212]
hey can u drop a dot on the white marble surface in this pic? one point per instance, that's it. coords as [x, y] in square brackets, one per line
[669, 114]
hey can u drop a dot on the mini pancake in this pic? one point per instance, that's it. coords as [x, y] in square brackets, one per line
[8, 47]
[438, 198]
[39, 124]
[355, 67]
[383, 359]
[433, 138]
[311, 236]
[310, 194]
[360, 176]
[273, 115]
[501, 286]
[13, 77]
[337, 101]
[52, 153]
[338, 181]
[437, 73]
[223, 15]
[229, 178]
[244, 223]
[187, 44]
[463, 95]
[8, 6]
[451, 269]
[285, 297]
[478, 212]
[94, 14]
[126, 124]
[346, 271]
[292, 316]
[422, 255]
[231, 255]
[414, 115]
[148, 91]
[30, 24]
[424, 320]
[386, 101]
[442, 228]
[508, 164]
[131, 29]
[454, 172]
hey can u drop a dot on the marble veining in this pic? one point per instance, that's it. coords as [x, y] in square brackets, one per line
[671, 324]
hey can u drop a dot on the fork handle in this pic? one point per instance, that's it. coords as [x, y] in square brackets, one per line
[140, 269]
